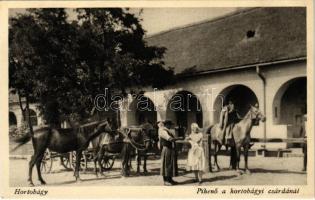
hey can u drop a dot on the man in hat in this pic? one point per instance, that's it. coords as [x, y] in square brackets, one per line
[228, 118]
[169, 166]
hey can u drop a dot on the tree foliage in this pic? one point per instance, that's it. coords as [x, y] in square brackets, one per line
[64, 64]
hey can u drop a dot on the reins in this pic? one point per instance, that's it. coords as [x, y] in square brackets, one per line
[134, 143]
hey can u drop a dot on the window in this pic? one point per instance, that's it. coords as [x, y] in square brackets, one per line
[250, 34]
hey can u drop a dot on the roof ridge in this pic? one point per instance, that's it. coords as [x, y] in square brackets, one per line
[234, 13]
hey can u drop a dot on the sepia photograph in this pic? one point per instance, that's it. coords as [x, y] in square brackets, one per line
[204, 97]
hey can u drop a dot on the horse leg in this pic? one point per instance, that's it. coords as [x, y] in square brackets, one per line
[39, 145]
[95, 161]
[138, 162]
[100, 157]
[210, 163]
[77, 165]
[217, 148]
[246, 148]
[131, 154]
[238, 155]
[145, 163]
[125, 155]
[30, 170]
[95, 164]
[38, 163]
[233, 159]
[38, 155]
[129, 163]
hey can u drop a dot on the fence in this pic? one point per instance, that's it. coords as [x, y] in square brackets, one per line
[262, 151]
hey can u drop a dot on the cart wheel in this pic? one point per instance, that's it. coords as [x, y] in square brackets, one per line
[83, 161]
[107, 162]
[89, 155]
[47, 162]
[65, 161]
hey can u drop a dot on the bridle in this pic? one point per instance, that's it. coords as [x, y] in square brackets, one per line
[134, 144]
[256, 115]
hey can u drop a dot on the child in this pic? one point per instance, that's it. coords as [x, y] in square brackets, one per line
[196, 156]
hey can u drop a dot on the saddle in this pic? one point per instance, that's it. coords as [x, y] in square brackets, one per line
[225, 138]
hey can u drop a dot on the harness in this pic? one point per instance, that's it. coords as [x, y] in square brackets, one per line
[133, 143]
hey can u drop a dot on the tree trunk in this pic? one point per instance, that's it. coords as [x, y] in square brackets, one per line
[21, 106]
[29, 115]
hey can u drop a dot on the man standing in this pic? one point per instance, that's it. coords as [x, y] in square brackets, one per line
[304, 146]
[169, 166]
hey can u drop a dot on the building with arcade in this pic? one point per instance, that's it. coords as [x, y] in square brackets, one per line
[255, 55]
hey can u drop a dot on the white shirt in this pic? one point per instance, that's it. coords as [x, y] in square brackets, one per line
[164, 133]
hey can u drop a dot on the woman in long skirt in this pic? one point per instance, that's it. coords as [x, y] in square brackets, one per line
[196, 161]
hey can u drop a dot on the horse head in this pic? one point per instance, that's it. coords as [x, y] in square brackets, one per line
[147, 137]
[104, 126]
[139, 137]
[118, 135]
[256, 114]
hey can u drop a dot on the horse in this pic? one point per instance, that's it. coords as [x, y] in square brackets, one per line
[140, 140]
[60, 141]
[150, 142]
[240, 137]
[106, 143]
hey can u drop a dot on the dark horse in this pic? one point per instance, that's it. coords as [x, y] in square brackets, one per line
[240, 136]
[107, 142]
[138, 139]
[61, 141]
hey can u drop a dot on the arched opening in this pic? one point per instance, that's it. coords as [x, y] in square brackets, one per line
[33, 117]
[183, 109]
[12, 119]
[140, 110]
[289, 105]
[242, 97]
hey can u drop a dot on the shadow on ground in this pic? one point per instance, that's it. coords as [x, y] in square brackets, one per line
[260, 170]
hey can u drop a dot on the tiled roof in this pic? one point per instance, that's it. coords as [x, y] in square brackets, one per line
[251, 36]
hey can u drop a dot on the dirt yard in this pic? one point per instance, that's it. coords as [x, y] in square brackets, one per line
[264, 171]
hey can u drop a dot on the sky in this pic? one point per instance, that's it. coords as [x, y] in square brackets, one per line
[161, 19]
[157, 20]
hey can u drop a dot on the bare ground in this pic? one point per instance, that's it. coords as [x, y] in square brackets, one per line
[264, 171]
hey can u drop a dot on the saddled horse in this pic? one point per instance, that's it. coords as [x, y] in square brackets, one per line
[61, 141]
[138, 139]
[107, 142]
[240, 137]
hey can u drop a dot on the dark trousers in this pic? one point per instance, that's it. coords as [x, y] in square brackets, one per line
[169, 167]
[305, 157]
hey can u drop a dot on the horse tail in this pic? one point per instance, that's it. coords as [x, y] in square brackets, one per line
[22, 140]
[208, 131]
[26, 138]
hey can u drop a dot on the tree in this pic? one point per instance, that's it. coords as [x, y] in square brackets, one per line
[114, 50]
[23, 34]
[64, 64]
